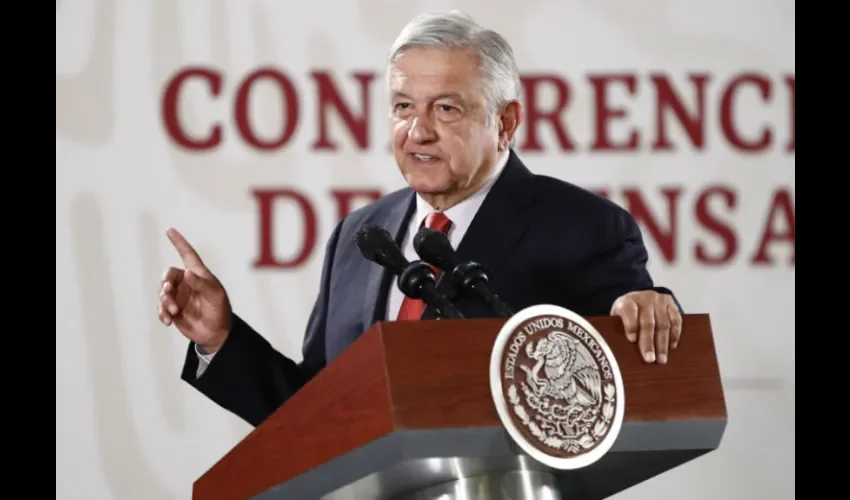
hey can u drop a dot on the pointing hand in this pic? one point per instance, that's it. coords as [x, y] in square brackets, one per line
[193, 300]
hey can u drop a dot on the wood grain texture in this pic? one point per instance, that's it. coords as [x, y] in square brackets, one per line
[444, 382]
[435, 375]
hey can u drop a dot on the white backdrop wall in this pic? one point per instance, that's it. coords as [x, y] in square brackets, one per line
[711, 180]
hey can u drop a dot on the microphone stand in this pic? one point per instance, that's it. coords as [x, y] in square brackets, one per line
[472, 276]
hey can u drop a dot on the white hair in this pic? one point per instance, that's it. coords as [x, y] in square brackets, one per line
[457, 31]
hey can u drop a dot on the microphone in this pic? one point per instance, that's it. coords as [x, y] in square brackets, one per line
[415, 279]
[434, 247]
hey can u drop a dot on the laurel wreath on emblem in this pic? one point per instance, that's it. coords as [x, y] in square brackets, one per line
[584, 436]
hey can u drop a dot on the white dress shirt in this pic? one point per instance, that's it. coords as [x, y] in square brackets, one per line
[461, 216]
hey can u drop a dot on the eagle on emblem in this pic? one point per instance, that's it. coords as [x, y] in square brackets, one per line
[570, 370]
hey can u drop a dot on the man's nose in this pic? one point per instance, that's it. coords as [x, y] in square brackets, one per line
[421, 130]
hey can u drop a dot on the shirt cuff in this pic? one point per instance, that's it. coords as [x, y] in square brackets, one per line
[203, 355]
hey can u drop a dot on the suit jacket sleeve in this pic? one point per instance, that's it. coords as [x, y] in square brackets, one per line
[248, 376]
[617, 266]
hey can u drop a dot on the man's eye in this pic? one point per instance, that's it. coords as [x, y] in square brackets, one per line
[402, 105]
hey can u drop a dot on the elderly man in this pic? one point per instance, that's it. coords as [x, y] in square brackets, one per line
[454, 89]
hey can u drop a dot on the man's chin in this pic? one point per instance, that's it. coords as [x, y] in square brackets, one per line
[427, 186]
[426, 182]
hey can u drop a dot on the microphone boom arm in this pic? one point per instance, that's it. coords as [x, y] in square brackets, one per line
[418, 281]
[472, 276]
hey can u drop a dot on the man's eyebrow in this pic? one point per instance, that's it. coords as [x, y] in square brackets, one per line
[449, 95]
[445, 95]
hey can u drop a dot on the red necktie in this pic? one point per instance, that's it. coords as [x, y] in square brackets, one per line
[413, 308]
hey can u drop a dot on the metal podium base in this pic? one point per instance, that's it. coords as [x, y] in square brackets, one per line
[508, 485]
[443, 464]
[511, 477]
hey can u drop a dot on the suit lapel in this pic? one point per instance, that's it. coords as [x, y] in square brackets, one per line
[394, 220]
[499, 224]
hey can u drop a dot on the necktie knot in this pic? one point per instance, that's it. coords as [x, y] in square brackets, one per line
[438, 222]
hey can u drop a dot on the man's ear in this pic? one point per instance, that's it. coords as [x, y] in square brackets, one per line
[509, 121]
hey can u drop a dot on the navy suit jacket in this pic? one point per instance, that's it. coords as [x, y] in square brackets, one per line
[542, 240]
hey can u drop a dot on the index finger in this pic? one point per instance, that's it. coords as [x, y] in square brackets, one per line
[627, 310]
[190, 257]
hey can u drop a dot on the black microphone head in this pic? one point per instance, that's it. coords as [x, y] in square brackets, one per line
[366, 238]
[377, 244]
[434, 247]
[412, 280]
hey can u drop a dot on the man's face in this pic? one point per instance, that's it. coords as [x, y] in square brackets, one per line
[441, 139]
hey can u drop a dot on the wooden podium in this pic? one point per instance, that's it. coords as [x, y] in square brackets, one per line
[408, 406]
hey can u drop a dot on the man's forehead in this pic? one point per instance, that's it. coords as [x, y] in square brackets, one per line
[432, 78]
